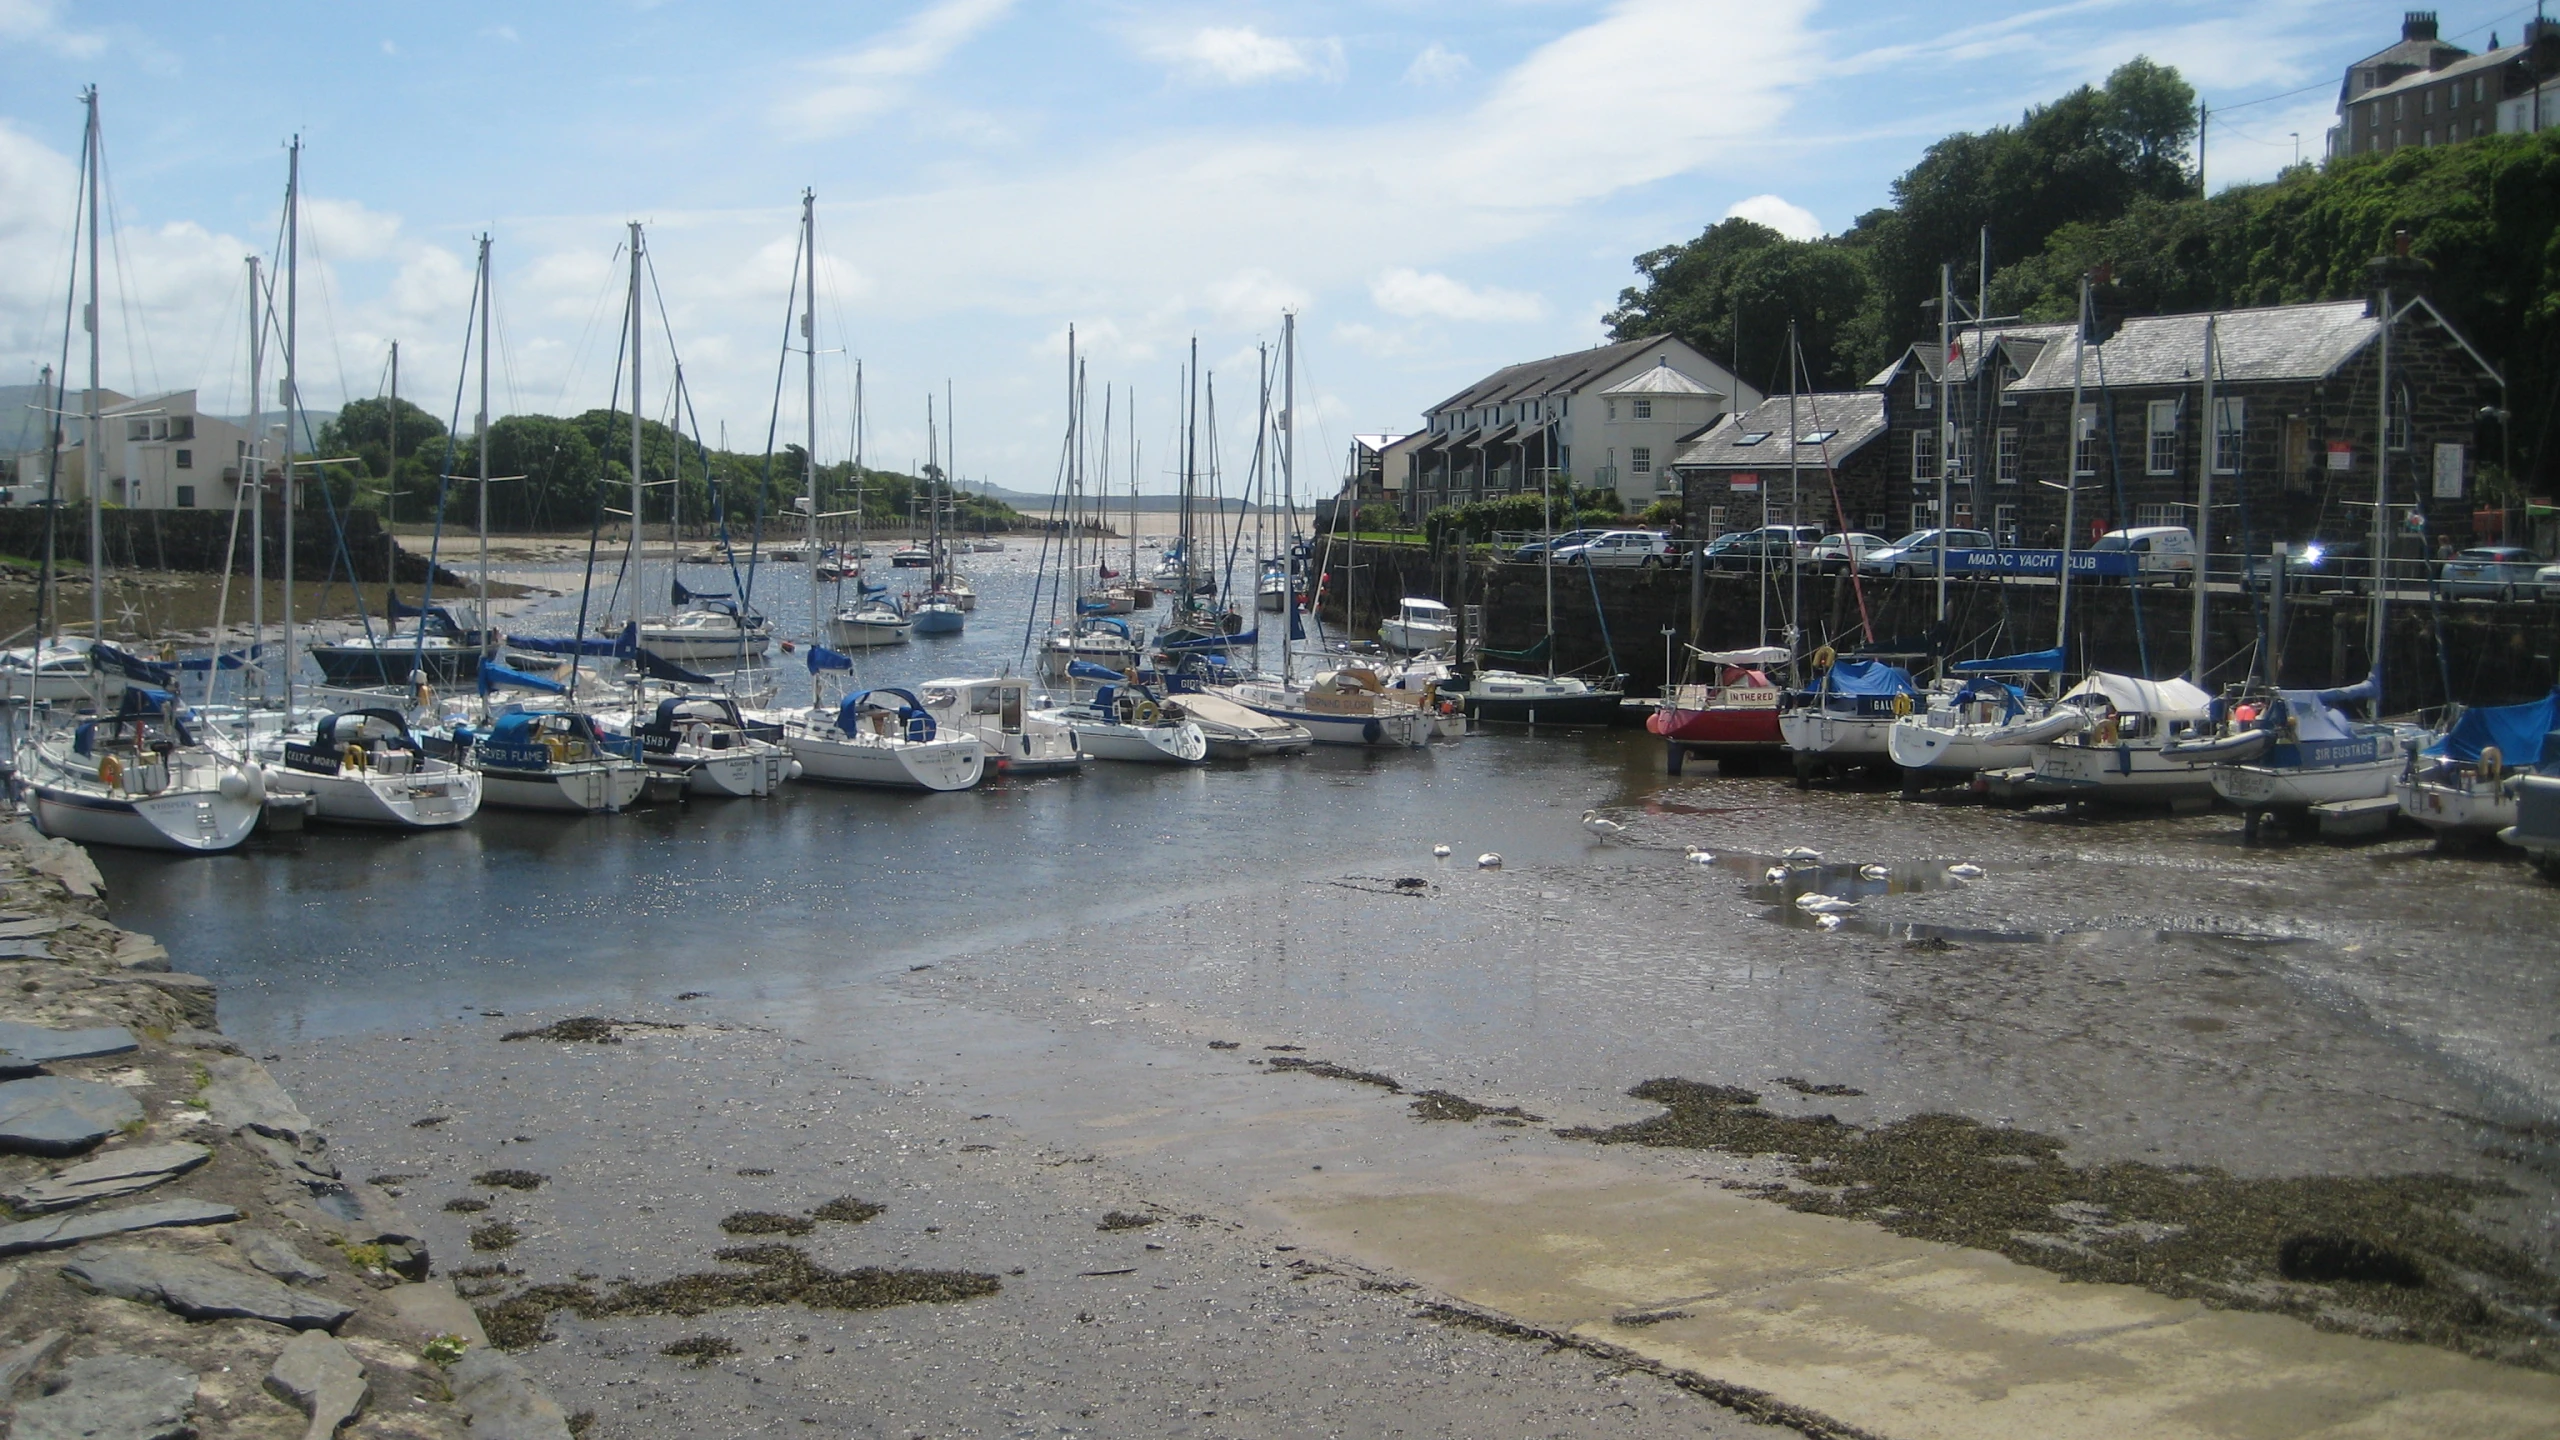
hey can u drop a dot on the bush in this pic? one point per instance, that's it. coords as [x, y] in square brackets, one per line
[1379, 517]
[1661, 513]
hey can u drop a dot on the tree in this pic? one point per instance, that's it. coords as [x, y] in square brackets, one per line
[1733, 290]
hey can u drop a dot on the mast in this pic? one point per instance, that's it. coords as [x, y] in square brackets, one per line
[1133, 488]
[96, 428]
[2381, 491]
[391, 429]
[484, 446]
[932, 499]
[633, 583]
[2080, 431]
[1547, 561]
[809, 456]
[1288, 486]
[1946, 428]
[1190, 475]
[254, 466]
[2204, 511]
[293, 390]
[1795, 506]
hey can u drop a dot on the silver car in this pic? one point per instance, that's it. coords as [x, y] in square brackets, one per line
[2493, 572]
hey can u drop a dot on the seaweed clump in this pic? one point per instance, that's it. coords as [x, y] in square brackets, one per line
[767, 1274]
[1442, 1105]
[496, 1235]
[847, 1210]
[509, 1179]
[765, 1222]
[1125, 1220]
[465, 1205]
[1331, 1071]
[2387, 1255]
[589, 1029]
[700, 1350]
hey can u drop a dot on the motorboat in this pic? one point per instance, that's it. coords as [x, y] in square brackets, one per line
[938, 613]
[365, 767]
[1514, 698]
[2465, 785]
[868, 622]
[2114, 749]
[1001, 711]
[1236, 732]
[1735, 717]
[1093, 640]
[1418, 626]
[718, 631]
[1107, 600]
[1988, 724]
[1272, 593]
[708, 742]
[441, 653]
[1349, 706]
[1847, 717]
[550, 760]
[962, 593]
[1127, 723]
[139, 779]
[911, 557]
[52, 672]
[883, 737]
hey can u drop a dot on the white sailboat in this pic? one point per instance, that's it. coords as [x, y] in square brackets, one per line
[998, 709]
[551, 760]
[708, 742]
[365, 767]
[885, 738]
[2115, 749]
[1419, 626]
[2466, 785]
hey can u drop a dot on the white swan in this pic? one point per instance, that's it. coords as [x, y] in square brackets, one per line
[1696, 856]
[1965, 872]
[1874, 872]
[1592, 822]
[1489, 861]
[1800, 855]
[1440, 852]
[1814, 902]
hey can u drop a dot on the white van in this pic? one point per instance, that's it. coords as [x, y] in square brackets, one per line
[2160, 552]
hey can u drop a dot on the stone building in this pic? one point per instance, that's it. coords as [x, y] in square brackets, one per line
[2425, 91]
[1821, 459]
[1954, 412]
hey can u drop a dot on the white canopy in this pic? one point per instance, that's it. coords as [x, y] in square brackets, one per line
[1757, 658]
[2168, 699]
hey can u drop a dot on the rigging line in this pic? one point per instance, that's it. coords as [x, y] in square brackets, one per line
[444, 471]
[328, 321]
[586, 335]
[773, 419]
[125, 301]
[506, 355]
[1857, 587]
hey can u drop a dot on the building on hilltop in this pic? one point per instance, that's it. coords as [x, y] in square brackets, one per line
[1610, 416]
[2424, 91]
[160, 453]
[1822, 459]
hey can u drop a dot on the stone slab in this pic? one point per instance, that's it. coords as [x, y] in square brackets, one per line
[1907, 1338]
[239, 1093]
[323, 1379]
[27, 927]
[277, 1256]
[114, 1173]
[61, 859]
[431, 1309]
[25, 1360]
[24, 1047]
[49, 1115]
[200, 1289]
[111, 1397]
[504, 1402]
[52, 1232]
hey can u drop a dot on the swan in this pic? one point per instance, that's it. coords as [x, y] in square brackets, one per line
[1775, 874]
[1800, 855]
[1965, 872]
[1440, 852]
[1489, 861]
[1814, 902]
[1873, 872]
[1592, 822]
[1696, 856]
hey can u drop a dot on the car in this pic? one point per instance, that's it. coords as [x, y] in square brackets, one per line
[1536, 550]
[2310, 565]
[1838, 552]
[2492, 572]
[1917, 552]
[2160, 552]
[1618, 547]
[2548, 578]
[1744, 549]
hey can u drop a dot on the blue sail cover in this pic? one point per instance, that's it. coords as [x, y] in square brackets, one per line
[231, 660]
[2313, 718]
[1867, 677]
[133, 667]
[562, 645]
[2013, 701]
[684, 595]
[493, 674]
[1210, 642]
[658, 667]
[2034, 662]
[2367, 689]
[436, 613]
[822, 658]
[917, 723]
[2522, 733]
[1087, 670]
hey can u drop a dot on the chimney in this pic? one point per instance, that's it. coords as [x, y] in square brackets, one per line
[2418, 25]
[2403, 274]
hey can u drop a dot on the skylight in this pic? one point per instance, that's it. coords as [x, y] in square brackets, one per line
[1815, 437]
[1753, 438]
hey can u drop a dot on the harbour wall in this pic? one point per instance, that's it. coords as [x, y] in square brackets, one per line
[2481, 652]
[200, 540]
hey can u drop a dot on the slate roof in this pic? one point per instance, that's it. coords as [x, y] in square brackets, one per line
[2022, 342]
[1857, 415]
[1556, 372]
[2279, 342]
[2490, 60]
[1662, 380]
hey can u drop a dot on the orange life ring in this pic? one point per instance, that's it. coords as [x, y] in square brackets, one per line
[110, 772]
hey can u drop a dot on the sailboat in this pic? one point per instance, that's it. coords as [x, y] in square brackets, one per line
[365, 767]
[1847, 718]
[2116, 734]
[708, 743]
[1521, 697]
[882, 737]
[999, 710]
[137, 777]
[2466, 785]
[939, 612]
[1732, 717]
[1126, 720]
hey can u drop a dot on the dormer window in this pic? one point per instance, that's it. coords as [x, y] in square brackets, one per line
[1921, 399]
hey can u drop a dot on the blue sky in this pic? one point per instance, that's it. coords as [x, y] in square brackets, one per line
[1438, 188]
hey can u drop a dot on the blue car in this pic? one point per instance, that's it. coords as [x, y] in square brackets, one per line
[2493, 572]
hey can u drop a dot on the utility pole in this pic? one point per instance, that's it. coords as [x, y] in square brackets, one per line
[2204, 120]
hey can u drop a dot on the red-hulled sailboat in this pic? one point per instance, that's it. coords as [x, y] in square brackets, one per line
[1734, 718]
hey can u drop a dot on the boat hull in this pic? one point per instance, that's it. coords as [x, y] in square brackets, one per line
[1182, 744]
[1595, 707]
[580, 789]
[431, 801]
[2458, 811]
[864, 634]
[2123, 773]
[1414, 639]
[1722, 731]
[938, 764]
[2299, 787]
[1846, 739]
[1388, 729]
[687, 647]
[193, 822]
[938, 622]
[389, 665]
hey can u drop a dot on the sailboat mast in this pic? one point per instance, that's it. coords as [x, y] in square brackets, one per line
[484, 446]
[1795, 510]
[2081, 431]
[809, 351]
[292, 387]
[255, 464]
[632, 582]
[96, 442]
[1288, 483]
[933, 499]
[2381, 490]
[1946, 426]
[1190, 472]
[2204, 509]
[391, 428]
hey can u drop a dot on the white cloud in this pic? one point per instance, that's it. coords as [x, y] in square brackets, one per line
[347, 230]
[1254, 296]
[866, 82]
[1242, 55]
[38, 22]
[1779, 214]
[1414, 293]
[1437, 65]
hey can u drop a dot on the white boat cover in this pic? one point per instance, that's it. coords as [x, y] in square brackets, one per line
[1758, 658]
[2168, 699]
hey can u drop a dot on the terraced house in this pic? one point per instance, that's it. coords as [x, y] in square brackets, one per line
[2425, 91]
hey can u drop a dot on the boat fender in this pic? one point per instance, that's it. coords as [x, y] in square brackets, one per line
[2492, 764]
[234, 786]
[1823, 657]
[110, 772]
[1901, 705]
[1147, 712]
[1371, 731]
[354, 758]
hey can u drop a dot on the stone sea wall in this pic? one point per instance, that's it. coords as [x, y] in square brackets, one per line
[180, 1255]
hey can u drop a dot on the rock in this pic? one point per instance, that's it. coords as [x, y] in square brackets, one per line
[49, 1115]
[55, 1231]
[24, 1047]
[504, 1402]
[117, 1172]
[194, 994]
[111, 1397]
[60, 859]
[241, 1094]
[201, 1289]
[432, 1309]
[195, 1038]
[139, 952]
[27, 927]
[26, 1360]
[277, 1256]
[322, 1379]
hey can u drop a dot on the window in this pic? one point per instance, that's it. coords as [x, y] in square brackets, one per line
[1875, 521]
[2084, 446]
[2373, 117]
[2161, 456]
[1924, 456]
[186, 496]
[2004, 525]
[1613, 409]
[2004, 455]
[186, 459]
[1753, 437]
[2399, 107]
[2145, 515]
[1963, 513]
[137, 429]
[2453, 97]
[182, 427]
[1644, 409]
[2479, 88]
[1921, 399]
[2427, 103]
[1641, 460]
[1816, 437]
[1924, 515]
[1960, 450]
[2228, 417]
[2398, 428]
[1715, 521]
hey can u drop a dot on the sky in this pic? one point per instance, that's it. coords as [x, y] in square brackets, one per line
[1435, 187]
